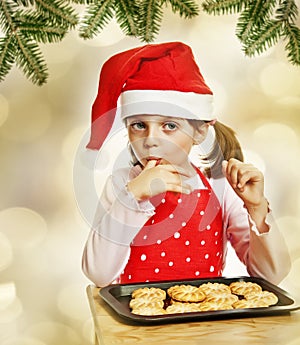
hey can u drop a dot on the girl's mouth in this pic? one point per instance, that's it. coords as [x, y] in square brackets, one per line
[158, 160]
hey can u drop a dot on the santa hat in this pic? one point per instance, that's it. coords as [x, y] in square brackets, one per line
[161, 79]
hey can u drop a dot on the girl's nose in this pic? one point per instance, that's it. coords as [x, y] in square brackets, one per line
[152, 137]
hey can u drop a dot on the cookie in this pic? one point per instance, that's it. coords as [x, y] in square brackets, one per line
[178, 307]
[186, 293]
[149, 311]
[215, 288]
[140, 303]
[210, 306]
[244, 303]
[265, 296]
[149, 293]
[242, 288]
[222, 299]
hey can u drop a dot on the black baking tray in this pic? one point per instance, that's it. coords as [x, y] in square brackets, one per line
[118, 296]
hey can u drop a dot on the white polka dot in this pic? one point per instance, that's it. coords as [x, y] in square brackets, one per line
[197, 273]
[211, 269]
[179, 201]
[158, 241]
[188, 259]
[171, 263]
[198, 195]
[176, 235]
[152, 221]
[187, 243]
[162, 254]
[201, 213]
[143, 257]
[218, 253]
[206, 256]
[208, 227]
[147, 281]
[156, 270]
[216, 243]
[216, 233]
[202, 242]
[171, 216]
[145, 237]
[183, 224]
[129, 276]
[163, 201]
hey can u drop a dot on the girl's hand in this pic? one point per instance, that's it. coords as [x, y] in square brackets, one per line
[155, 179]
[248, 183]
[246, 180]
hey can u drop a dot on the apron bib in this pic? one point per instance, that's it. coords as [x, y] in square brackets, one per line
[183, 240]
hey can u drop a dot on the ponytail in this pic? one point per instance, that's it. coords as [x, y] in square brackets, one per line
[225, 146]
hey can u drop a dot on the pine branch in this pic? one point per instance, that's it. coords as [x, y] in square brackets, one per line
[126, 13]
[293, 47]
[30, 60]
[150, 19]
[287, 11]
[98, 15]
[7, 58]
[58, 12]
[266, 37]
[254, 16]
[218, 7]
[186, 8]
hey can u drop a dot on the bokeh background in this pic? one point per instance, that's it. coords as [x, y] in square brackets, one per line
[42, 226]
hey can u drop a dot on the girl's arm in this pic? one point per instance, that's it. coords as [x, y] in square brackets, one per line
[118, 219]
[265, 254]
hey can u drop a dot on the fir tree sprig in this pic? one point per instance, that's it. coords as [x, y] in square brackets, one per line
[262, 23]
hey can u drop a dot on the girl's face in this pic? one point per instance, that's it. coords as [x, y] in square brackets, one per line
[168, 140]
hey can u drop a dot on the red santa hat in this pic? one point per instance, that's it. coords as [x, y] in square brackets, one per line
[161, 79]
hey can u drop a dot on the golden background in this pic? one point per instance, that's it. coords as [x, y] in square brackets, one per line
[42, 230]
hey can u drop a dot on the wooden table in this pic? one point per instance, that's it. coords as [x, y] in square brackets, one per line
[283, 329]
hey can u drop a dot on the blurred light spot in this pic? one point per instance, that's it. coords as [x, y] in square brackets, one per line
[288, 226]
[24, 227]
[255, 159]
[7, 294]
[4, 108]
[111, 34]
[72, 302]
[294, 274]
[23, 341]
[279, 80]
[276, 135]
[53, 333]
[6, 256]
[71, 142]
[11, 312]
[88, 330]
[27, 122]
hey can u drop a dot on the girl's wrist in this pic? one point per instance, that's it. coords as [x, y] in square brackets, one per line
[258, 214]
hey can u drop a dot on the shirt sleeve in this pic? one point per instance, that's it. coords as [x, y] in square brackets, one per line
[118, 219]
[265, 255]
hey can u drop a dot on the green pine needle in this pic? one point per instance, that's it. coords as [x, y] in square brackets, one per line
[293, 47]
[186, 8]
[218, 7]
[267, 36]
[30, 60]
[150, 19]
[98, 15]
[7, 57]
[126, 13]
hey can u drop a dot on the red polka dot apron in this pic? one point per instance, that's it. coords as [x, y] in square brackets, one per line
[183, 240]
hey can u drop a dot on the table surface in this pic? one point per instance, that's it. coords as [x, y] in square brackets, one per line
[109, 329]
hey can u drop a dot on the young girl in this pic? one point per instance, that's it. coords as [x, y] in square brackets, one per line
[165, 218]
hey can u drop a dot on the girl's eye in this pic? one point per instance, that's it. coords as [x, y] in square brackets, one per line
[138, 126]
[170, 126]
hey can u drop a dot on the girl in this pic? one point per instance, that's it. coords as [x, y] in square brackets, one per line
[165, 218]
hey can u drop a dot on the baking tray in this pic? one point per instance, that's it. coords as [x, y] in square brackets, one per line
[118, 296]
